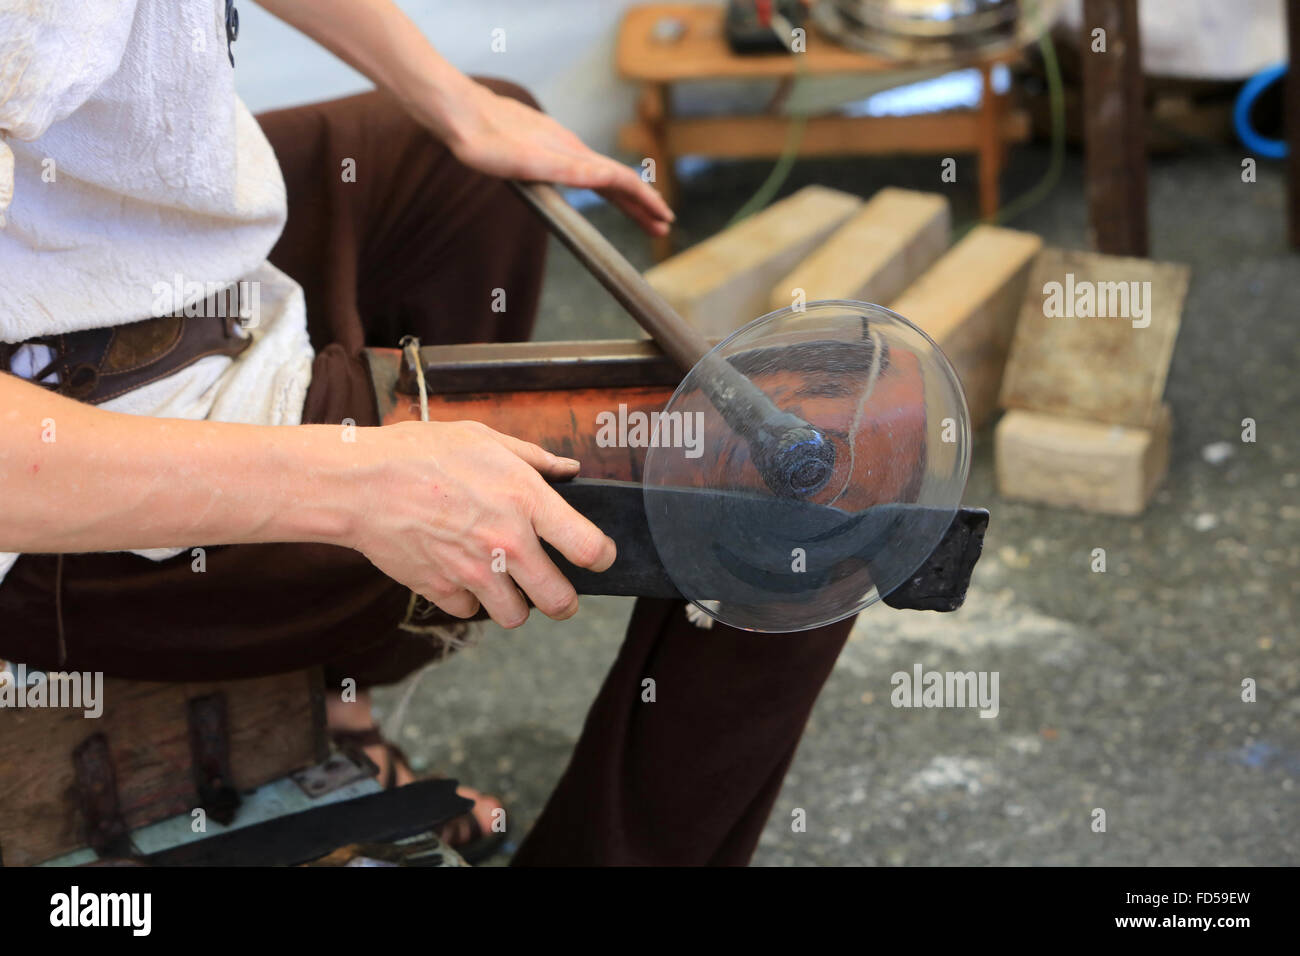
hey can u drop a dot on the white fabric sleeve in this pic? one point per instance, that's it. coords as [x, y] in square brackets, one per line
[53, 55]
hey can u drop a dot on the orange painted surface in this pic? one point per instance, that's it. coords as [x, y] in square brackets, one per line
[876, 459]
[562, 422]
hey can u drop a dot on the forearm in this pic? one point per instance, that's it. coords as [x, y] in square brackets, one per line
[378, 40]
[433, 505]
[493, 134]
[77, 478]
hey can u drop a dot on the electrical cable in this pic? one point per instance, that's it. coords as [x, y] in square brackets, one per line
[1056, 98]
[1249, 136]
[1021, 204]
[770, 186]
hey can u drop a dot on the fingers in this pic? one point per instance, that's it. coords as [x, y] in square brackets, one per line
[452, 598]
[552, 466]
[496, 584]
[636, 197]
[637, 212]
[631, 185]
[495, 592]
[580, 541]
[553, 518]
[526, 565]
[501, 598]
[527, 144]
[617, 183]
[484, 529]
[522, 567]
[548, 589]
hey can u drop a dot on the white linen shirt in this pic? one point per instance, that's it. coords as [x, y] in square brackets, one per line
[128, 164]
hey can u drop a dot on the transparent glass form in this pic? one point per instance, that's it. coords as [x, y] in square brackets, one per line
[778, 554]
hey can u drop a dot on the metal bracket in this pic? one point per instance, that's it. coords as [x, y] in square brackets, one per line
[336, 772]
[106, 831]
[210, 755]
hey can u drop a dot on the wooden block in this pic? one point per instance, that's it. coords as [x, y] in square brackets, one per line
[874, 256]
[968, 302]
[1074, 355]
[723, 282]
[1071, 463]
[275, 727]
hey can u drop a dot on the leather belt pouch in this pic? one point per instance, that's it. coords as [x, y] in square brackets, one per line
[97, 365]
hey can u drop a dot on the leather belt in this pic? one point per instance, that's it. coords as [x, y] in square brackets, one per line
[97, 365]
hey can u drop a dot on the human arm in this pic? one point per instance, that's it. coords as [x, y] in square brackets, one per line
[427, 503]
[491, 133]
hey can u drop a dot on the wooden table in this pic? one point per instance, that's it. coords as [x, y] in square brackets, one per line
[700, 52]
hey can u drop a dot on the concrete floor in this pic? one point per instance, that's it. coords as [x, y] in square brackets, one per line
[1119, 691]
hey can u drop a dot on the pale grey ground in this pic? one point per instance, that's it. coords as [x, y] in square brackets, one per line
[1118, 690]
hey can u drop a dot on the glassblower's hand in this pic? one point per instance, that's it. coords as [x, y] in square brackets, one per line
[451, 500]
[503, 137]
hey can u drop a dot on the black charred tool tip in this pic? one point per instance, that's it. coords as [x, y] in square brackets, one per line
[761, 535]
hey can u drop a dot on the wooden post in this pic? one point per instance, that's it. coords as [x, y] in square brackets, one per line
[1114, 128]
[1291, 105]
[990, 145]
[653, 113]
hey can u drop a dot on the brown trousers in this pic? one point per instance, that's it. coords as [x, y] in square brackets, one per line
[416, 245]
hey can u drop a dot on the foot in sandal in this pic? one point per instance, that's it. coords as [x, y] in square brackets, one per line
[475, 835]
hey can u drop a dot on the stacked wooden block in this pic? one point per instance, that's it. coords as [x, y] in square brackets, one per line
[893, 250]
[1086, 427]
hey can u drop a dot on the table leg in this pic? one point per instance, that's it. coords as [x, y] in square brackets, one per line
[653, 113]
[990, 146]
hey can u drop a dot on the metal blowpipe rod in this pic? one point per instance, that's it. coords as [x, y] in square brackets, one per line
[680, 341]
[793, 457]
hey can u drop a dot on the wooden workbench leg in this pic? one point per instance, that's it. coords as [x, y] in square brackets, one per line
[653, 110]
[991, 153]
[1114, 129]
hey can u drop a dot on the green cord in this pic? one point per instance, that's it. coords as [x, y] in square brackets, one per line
[776, 178]
[1040, 191]
[789, 155]
[1025, 201]
[1056, 97]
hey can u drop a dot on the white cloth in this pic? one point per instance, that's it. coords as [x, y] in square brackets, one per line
[135, 169]
[1205, 39]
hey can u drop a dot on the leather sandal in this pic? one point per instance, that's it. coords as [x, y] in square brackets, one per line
[480, 845]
